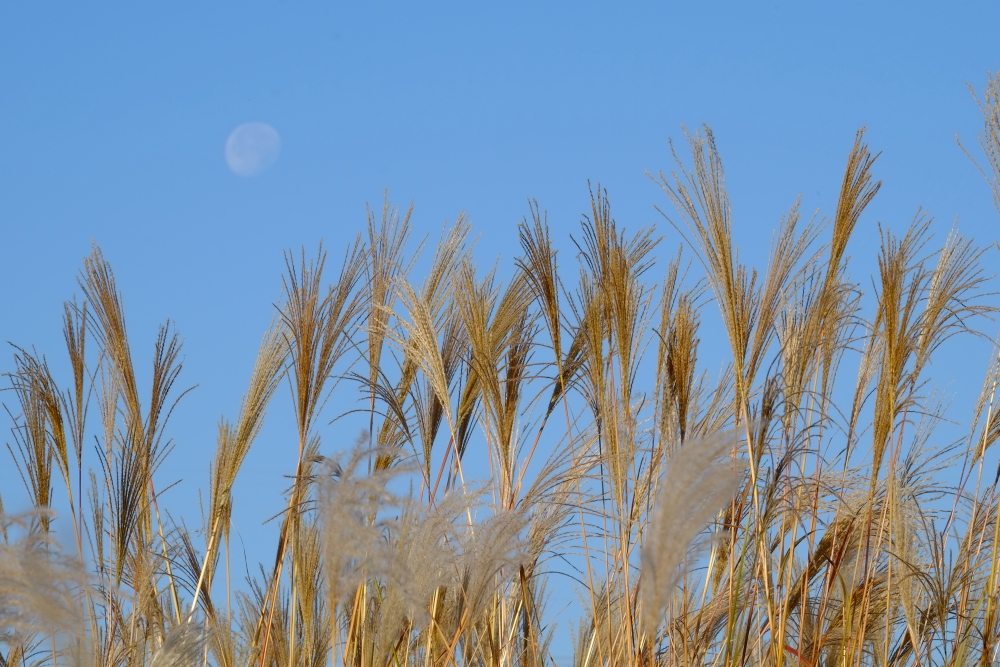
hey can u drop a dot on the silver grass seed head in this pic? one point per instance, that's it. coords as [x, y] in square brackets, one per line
[38, 583]
[184, 646]
[700, 479]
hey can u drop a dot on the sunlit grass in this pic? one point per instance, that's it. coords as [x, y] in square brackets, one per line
[790, 510]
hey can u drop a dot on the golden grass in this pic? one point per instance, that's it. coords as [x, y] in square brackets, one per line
[788, 510]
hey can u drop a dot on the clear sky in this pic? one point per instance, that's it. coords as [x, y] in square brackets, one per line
[114, 119]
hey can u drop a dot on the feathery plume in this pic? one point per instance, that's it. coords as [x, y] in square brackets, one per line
[695, 487]
[38, 584]
[184, 646]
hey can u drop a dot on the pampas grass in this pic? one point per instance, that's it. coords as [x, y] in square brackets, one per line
[793, 507]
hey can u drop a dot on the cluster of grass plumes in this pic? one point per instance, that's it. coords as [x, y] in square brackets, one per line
[789, 510]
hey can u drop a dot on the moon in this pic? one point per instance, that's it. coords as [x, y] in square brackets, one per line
[251, 148]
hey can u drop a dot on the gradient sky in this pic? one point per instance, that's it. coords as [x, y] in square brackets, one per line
[114, 118]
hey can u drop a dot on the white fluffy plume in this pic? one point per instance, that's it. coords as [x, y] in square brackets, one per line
[700, 478]
[38, 584]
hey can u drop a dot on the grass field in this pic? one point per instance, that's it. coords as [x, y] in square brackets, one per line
[796, 509]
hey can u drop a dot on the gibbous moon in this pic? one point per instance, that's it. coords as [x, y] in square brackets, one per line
[251, 148]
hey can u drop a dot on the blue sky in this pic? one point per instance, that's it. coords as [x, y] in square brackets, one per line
[114, 117]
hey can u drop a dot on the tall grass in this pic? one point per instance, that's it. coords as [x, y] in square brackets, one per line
[793, 509]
